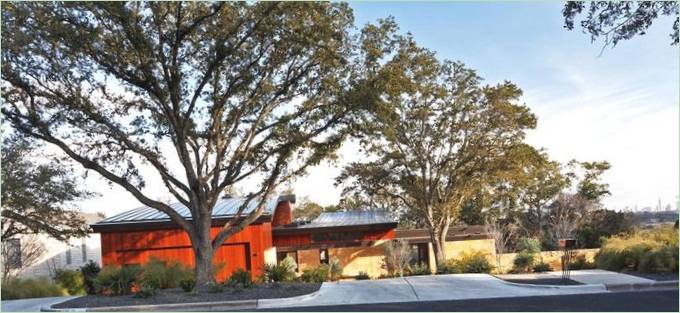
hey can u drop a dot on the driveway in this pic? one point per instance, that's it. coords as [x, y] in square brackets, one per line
[588, 277]
[30, 305]
[422, 288]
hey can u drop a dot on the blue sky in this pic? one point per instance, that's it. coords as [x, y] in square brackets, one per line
[621, 106]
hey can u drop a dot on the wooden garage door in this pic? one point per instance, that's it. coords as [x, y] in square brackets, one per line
[229, 257]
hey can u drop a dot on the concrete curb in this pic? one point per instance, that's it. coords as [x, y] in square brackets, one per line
[672, 284]
[592, 287]
[204, 306]
[306, 297]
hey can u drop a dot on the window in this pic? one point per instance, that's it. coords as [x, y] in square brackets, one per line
[83, 251]
[68, 257]
[13, 250]
[323, 256]
[282, 255]
[420, 254]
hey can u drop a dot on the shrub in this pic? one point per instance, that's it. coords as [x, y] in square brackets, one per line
[90, 271]
[155, 273]
[187, 284]
[661, 259]
[317, 274]
[284, 271]
[468, 262]
[523, 261]
[30, 288]
[531, 245]
[542, 267]
[240, 278]
[334, 269]
[418, 269]
[71, 280]
[146, 290]
[580, 263]
[449, 267]
[116, 280]
[474, 262]
[214, 287]
[653, 250]
[362, 276]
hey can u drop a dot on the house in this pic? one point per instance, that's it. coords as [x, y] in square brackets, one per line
[63, 255]
[355, 238]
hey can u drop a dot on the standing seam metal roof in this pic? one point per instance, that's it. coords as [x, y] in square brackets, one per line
[349, 218]
[225, 207]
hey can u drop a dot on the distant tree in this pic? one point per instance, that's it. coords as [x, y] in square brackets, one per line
[613, 21]
[586, 177]
[38, 193]
[501, 232]
[397, 257]
[307, 210]
[19, 254]
[603, 223]
[204, 94]
[437, 137]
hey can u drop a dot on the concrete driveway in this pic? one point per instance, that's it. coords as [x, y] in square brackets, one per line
[422, 288]
[31, 305]
[588, 277]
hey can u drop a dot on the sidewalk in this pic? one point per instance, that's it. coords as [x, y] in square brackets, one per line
[422, 288]
[32, 304]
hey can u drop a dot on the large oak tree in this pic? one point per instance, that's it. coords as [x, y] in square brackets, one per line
[206, 94]
[437, 137]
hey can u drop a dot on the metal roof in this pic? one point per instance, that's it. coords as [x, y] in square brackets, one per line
[224, 208]
[349, 218]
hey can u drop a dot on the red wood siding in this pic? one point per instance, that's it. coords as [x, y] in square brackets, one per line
[244, 249]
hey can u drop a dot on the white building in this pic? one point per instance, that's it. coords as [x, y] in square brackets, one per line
[71, 255]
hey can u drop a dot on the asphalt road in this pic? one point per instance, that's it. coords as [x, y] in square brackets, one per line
[639, 301]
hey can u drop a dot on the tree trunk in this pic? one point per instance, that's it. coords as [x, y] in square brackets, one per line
[438, 245]
[203, 256]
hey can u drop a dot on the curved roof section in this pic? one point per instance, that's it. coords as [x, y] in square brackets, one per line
[224, 208]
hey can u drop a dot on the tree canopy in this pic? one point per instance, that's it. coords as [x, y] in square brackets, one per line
[205, 94]
[38, 193]
[436, 137]
[613, 21]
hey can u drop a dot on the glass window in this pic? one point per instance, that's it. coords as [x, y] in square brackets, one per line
[323, 256]
[68, 256]
[13, 251]
[83, 252]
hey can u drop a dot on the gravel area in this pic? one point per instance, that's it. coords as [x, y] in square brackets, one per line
[544, 281]
[167, 296]
[655, 276]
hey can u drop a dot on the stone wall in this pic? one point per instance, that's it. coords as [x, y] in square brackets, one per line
[551, 257]
[361, 259]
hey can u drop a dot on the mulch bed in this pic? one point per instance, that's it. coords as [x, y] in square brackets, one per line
[655, 276]
[176, 295]
[544, 281]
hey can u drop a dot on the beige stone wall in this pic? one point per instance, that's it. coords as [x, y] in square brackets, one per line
[308, 259]
[455, 248]
[355, 260]
[551, 257]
